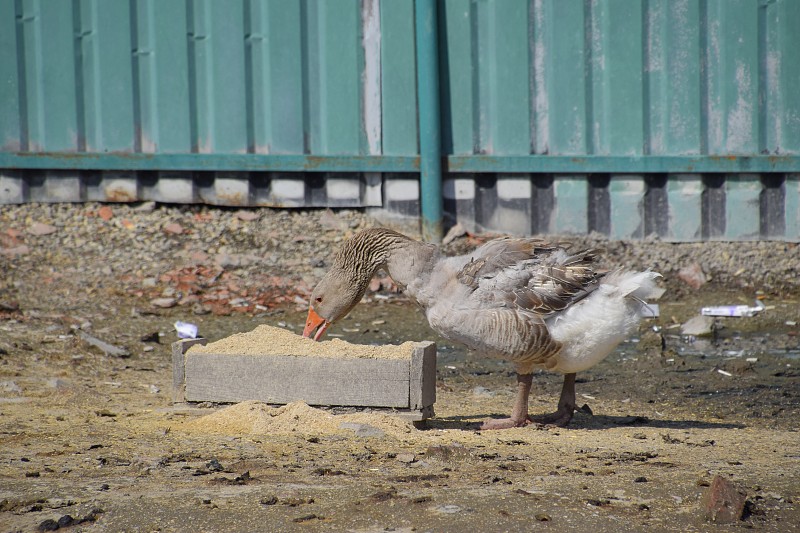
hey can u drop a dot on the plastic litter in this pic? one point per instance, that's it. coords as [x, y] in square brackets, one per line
[649, 311]
[733, 310]
[186, 330]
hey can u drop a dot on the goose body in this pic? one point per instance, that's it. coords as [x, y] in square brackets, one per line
[526, 300]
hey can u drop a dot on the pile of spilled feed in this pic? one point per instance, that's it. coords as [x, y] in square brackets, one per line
[257, 418]
[270, 340]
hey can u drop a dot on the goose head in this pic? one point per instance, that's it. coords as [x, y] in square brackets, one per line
[345, 283]
[333, 298]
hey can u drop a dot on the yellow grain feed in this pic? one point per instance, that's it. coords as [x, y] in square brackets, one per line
[269, 340]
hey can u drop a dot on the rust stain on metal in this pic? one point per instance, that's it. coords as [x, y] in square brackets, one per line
[121, 195]
[315, 161]
[236, 198]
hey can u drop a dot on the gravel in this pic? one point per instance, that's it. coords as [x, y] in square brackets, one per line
[227, 260]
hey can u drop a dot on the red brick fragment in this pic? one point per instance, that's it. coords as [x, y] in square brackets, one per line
[106, 213]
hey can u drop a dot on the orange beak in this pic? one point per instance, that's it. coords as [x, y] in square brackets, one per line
[313, 322]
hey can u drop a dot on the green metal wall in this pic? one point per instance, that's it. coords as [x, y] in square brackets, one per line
[177, 76]
[623, 77]
[628, 117]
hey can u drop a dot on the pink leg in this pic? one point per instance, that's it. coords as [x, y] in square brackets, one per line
[566, 405]
[519, 414]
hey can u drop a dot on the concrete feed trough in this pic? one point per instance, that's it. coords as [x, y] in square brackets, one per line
[276, 366]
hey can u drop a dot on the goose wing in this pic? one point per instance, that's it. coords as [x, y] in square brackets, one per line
[529, 275]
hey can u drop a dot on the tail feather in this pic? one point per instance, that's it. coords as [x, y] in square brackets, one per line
[638, 285]
[590, 329]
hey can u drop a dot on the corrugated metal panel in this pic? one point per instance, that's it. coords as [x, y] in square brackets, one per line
[178, 77]
[674, 117]
[615, 77]
[662, 86]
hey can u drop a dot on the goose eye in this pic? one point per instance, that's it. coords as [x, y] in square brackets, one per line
[318, 299]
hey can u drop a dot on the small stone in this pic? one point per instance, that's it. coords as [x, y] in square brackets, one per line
[39, 229]
[305, 518]
[65, 521]
[226, 260]
[92, 516]
[542, 517]
[198, 257]
[247, 216]
[163, 303]
[693, 276]
[9, 306]
[697, 326]
[330, 220]
[295, 502]
[10, 238]
[200, 309]
[48, 525]
[406, 457]
[269, 500]
[214, 466]
[724, 501]
[173, 228]
[324, 471]
[640, 479]
[151, 337]
[22, 249]
[145, 207]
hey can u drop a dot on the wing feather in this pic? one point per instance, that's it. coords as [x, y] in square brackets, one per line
[530, 274]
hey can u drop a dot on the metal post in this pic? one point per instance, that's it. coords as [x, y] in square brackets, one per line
[430, 144]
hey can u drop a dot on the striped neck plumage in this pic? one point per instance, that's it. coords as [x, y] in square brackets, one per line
[403, 258]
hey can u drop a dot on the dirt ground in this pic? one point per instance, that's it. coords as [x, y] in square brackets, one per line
[95, 437]
[92, 442]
